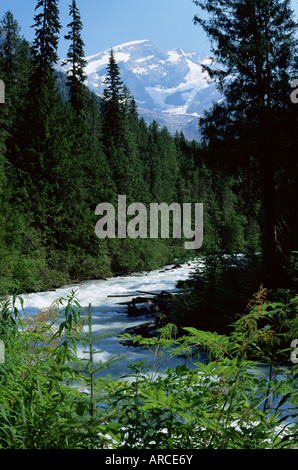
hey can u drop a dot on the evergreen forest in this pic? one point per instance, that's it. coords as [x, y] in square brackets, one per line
[64, 150]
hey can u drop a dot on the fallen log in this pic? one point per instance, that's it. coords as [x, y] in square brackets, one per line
[137, 300]
[147, 293]
[121, 295]
[146, 330]
[163, 292]
[159, 303]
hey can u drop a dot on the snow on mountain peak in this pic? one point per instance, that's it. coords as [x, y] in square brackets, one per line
[131, 43]
[168, 86]
[174, 56]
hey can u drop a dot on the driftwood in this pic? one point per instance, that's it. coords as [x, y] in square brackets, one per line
[121, 295]
[153, 305]
[131, 295]
[137, 300]
[157, 307]
[147, 293]
[146, 330]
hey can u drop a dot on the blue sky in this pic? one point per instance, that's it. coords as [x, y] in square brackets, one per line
[107, 23]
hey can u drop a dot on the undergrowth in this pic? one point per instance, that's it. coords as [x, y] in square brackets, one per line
[243, 396]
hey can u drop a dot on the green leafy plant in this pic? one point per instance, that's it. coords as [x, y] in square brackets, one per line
[241, 397]
[44, 401]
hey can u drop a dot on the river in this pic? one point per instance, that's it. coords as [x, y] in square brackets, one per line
[108, 317]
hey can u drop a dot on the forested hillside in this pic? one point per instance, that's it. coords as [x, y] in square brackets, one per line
[64, 151]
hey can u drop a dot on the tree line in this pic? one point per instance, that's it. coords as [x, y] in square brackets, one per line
[250, 137]
[64, 150]
[252, 133]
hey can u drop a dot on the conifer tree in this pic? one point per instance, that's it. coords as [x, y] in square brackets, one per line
[36, 141]
[75, 58]
[47, 28]
[15, 66]
[15, 70]
[254, 41]
[11, 30]
[119, 139]
[113, 102]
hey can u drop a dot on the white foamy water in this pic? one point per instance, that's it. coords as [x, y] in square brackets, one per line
[108, 317]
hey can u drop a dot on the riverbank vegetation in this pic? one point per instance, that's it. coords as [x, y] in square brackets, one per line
[52, 399]
[64, 150]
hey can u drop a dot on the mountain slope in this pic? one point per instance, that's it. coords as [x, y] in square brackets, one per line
[169, 87]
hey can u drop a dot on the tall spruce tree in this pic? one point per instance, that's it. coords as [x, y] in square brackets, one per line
[118, 137]
[47, 28]
[11, 30]
[36, 142]
[254, 41]
[113, 103]
[15, 65]
[75, 58]
[8, 65]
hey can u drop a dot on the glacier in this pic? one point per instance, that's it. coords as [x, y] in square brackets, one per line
[169, 87]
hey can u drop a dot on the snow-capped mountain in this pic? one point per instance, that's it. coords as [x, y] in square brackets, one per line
[169, 86]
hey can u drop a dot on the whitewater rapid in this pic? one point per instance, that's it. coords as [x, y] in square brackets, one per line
[110, 318]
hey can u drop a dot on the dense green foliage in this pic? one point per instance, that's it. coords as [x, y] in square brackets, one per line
[52, 399]
[64, 151]
[251, 132]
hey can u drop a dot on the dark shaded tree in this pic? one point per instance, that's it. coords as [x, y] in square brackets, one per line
[11, 32]
[119, 139]
[113, 103]
[35, 140]
[47, 28]
[253, 42]
[76, 60]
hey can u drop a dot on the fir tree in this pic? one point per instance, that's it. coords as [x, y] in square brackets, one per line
[11, 30]
[15, 65]
[119, 139]
[15, 70]
[75, 58]
[254, 40]
[36, 141]
[47, 28]
[113, 102]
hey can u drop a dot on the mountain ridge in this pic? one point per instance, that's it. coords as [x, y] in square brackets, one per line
[168, 86]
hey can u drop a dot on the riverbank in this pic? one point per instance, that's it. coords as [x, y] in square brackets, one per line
[177, 402]
[109, 316]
